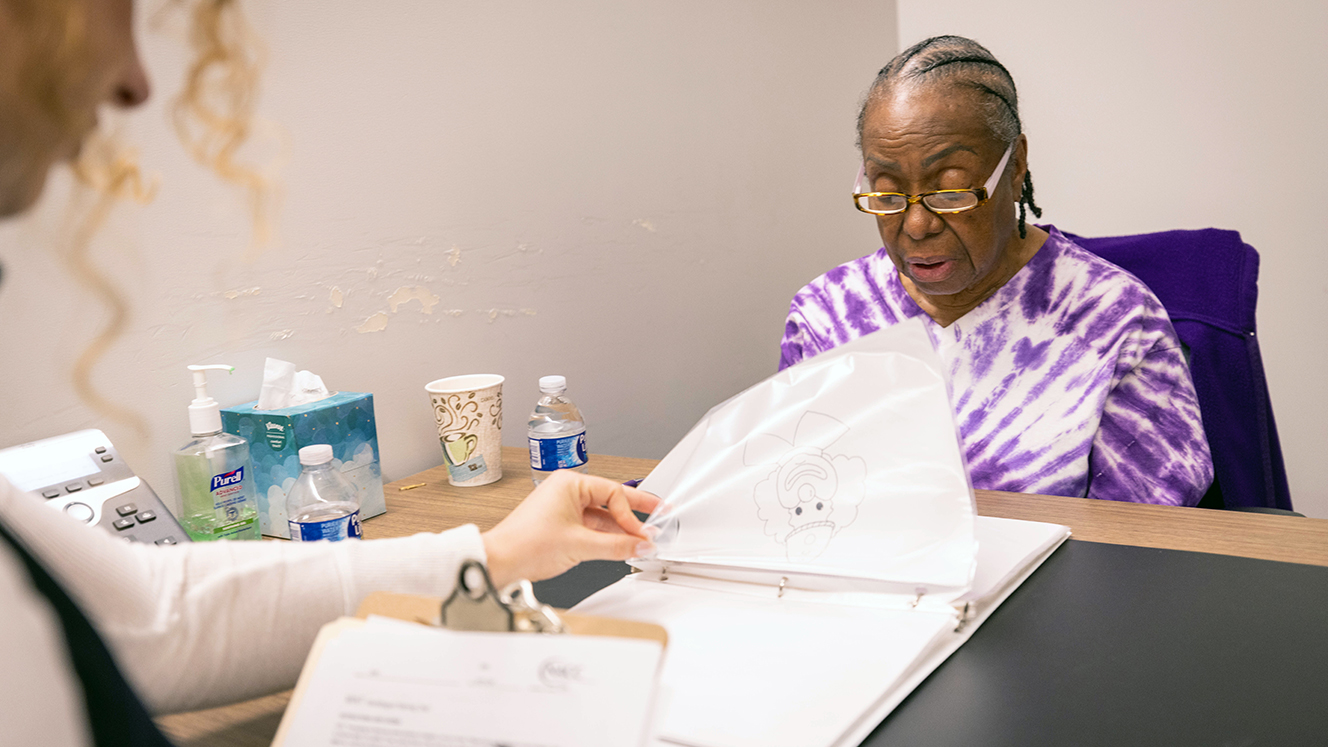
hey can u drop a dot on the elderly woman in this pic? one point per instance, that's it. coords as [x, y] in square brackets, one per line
[1066, 375]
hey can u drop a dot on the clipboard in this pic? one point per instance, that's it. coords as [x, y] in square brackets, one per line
[432, 611]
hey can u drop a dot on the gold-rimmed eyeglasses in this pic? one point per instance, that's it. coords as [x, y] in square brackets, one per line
[941, 201]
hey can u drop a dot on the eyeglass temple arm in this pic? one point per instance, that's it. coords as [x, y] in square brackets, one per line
[995, 177]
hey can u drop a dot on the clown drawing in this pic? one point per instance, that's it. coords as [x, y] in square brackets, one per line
[809, 495]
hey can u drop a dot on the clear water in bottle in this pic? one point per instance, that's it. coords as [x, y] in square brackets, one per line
[556, 431]
[322, 504]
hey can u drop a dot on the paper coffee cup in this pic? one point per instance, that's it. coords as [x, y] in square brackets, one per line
[469, 413]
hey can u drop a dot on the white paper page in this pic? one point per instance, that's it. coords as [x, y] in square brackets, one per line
[747, 671]
[1008, 550]
[398, 684]
[1006, 547]
[847, 464]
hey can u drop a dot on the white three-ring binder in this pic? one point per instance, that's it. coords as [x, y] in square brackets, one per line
[819, 551]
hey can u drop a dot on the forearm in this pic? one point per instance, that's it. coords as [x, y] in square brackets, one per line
[205, 624]
[243, 615]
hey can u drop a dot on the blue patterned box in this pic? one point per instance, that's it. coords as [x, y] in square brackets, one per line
[345, 421]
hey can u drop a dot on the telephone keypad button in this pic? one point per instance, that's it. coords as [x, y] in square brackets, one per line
[145, 517]
[81, 511]
[166, 541]
[95, 481]
[100, 449]
[48, 494]
[126, 509]
[123, 524]
[74, 488]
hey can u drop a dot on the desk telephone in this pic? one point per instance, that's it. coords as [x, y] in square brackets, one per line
[83, 475]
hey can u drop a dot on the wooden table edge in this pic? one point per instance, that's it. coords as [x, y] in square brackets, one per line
[1290, 539]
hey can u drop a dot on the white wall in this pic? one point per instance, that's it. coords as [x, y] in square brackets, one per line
[627, 193]
[1145, 116]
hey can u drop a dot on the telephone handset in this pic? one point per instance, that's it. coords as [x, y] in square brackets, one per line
[83, 475]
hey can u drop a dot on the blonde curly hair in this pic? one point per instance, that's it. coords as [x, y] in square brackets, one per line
[213, 116]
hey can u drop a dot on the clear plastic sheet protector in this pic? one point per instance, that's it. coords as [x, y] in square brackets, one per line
[843, 472]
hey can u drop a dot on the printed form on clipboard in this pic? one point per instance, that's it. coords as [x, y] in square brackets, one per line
[482, 669]
[819, 553]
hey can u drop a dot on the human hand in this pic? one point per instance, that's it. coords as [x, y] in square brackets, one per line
[569, 518]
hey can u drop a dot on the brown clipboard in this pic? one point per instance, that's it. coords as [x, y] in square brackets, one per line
[426, 610]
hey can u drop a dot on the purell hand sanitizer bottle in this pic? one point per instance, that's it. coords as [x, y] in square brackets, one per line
[322, 504]
[212, 472]
[556, 431]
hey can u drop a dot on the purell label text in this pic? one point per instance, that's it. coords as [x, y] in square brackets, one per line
[234, 477]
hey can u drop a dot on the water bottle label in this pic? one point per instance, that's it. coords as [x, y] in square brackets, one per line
[566, 452]
[340, 528]
[468, 470]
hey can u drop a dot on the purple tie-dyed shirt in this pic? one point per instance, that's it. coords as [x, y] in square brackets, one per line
[1069, 380]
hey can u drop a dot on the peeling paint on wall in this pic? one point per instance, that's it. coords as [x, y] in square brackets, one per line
[454, 256]
[282, 335]
[406, 294]
[336, 296]
[375, 323]
[645, 223]
[234, 294]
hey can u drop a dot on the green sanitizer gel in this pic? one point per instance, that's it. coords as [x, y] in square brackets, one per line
[213, 473]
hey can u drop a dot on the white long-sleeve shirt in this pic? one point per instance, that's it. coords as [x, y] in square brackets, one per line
[191, 626]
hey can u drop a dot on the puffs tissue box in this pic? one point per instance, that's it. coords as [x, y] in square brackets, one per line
[345, 421]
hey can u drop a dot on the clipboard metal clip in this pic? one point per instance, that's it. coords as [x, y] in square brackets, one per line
[476, 605]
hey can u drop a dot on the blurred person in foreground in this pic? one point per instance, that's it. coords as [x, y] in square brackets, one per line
[100, 633]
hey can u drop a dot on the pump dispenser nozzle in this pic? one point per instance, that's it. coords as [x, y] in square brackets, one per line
[204, 412]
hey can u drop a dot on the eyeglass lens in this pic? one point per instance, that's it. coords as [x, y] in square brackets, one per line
[894, 203]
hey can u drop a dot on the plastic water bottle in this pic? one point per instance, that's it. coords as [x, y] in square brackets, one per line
[557, 432]
[322, 504]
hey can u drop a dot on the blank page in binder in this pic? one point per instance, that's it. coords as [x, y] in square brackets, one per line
[768, 671]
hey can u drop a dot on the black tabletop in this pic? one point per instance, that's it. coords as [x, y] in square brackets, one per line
[1118, 645]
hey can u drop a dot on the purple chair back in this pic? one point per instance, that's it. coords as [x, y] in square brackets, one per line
[1207, 281]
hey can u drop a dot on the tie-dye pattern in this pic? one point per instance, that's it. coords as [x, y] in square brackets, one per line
[1068, 381]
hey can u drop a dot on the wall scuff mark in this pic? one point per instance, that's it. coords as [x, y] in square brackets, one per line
[493, 314]
[234, 294]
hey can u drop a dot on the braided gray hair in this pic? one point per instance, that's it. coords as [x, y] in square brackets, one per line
[963, 63]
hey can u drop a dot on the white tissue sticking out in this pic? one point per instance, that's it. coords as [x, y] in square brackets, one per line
[283, 386]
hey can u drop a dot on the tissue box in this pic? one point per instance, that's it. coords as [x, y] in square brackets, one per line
[345, 421]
